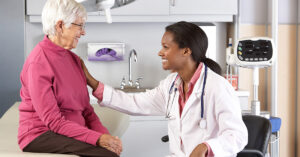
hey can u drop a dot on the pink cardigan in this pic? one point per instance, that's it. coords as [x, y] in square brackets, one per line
[55, 97]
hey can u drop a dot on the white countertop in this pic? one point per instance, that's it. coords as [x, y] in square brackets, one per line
[241, 93]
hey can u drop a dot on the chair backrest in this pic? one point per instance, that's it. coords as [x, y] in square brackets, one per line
[259, 132]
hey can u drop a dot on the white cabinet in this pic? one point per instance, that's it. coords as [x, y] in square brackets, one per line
[138, 7]
[143, 7]
[156, 11]
[34, 7]
[243, 98]
[143, 138]
[215, 7]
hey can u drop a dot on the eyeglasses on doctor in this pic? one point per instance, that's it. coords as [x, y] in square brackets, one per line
[82, 26]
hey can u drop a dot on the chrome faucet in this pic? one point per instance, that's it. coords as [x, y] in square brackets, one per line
[123, 83]
[135, 60]
[137, 82]
[130, 82]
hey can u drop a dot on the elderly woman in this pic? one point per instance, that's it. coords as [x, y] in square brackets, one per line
[55, 114]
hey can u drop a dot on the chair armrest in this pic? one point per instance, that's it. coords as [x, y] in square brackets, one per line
[251, 151]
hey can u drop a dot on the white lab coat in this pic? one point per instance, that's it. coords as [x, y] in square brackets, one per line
[225, 131]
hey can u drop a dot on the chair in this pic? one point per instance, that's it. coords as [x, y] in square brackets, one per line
[259, 132]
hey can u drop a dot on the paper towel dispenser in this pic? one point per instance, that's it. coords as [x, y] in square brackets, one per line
[105, 51]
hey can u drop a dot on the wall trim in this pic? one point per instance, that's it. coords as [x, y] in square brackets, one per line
[297, 69]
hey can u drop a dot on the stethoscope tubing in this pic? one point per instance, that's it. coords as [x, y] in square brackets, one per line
[202, 94]
[175, 89]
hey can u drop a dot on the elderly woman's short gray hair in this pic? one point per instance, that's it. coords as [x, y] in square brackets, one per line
[66, 10]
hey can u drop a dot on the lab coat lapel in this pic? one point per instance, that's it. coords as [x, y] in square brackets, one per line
[175, 107]
[195, 97]
[176, 110]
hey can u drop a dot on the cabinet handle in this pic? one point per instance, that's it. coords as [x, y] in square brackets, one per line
[165, 138]
[173, 3]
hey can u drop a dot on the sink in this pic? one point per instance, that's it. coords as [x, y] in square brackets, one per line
[128, 89]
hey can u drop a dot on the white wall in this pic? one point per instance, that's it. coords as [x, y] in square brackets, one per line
[11, 51]
[145, 38]
[256, 11]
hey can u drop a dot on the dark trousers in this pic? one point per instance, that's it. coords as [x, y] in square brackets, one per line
[50, 142]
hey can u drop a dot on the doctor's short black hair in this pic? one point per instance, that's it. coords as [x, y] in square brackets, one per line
[189, 35]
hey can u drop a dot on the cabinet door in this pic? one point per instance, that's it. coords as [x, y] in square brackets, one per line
[34, 7]
[143, 139]
[138, 7]
[217, 7]
[143, 7]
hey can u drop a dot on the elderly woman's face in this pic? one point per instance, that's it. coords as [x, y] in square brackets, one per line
[71, 35]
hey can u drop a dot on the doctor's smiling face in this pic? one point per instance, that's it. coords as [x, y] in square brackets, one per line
[173, 57]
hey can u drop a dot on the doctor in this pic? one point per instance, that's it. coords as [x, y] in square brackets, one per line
[204, 117]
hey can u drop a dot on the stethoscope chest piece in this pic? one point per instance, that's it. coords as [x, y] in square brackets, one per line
[202, 123]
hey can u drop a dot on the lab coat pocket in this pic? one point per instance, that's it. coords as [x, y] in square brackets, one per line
[174, 135]
[173, 128]
[172, 123]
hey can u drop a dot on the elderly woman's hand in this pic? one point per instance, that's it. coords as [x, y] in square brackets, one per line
[91, 81]
[111, 143]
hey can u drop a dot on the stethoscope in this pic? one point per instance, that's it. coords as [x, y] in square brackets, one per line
[173, 90]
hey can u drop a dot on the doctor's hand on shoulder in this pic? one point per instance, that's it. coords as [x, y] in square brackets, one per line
[200, 151]
[91, 81]
[111, 143]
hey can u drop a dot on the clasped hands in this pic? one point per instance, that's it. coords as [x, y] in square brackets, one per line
[112, 143]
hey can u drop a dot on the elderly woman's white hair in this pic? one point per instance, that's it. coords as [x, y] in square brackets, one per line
[66, 10]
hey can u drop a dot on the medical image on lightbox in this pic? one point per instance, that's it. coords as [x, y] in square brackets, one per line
[106, 51]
